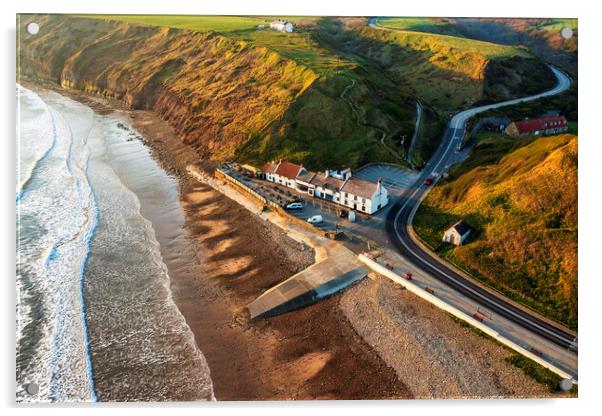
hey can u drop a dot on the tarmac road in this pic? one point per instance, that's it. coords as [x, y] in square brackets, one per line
[400, 216]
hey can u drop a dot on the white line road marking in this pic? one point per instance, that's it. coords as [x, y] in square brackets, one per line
[455, 123]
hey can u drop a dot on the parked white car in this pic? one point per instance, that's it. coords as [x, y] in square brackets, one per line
[316, 219]
[294, 205]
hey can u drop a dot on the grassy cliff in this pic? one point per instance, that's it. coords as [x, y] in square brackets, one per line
[541, 36]
[226, 96]
[330, 93]
[520, 197]
[446, 72]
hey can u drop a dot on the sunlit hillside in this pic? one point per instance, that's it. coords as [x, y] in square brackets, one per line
[520, 196]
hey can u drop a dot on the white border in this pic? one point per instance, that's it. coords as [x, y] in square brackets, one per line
[590, 178]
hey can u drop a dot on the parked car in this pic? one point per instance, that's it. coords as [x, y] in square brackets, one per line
[428, 181]
[316, 219]
[294, 205]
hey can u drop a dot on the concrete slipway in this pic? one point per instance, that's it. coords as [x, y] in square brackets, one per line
[336, 266]
[340, 269]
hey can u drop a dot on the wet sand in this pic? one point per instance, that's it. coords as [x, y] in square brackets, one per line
[301, 355]
[223, 259]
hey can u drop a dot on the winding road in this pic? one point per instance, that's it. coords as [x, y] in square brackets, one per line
[410, 154]
[399, 229]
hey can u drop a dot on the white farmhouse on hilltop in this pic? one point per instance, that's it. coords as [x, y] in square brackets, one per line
[457, 233]
[281, 26]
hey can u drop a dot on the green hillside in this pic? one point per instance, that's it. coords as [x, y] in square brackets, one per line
[520, 197]
[419, 24]
[221, 92]
[445, 73]
[326, 94]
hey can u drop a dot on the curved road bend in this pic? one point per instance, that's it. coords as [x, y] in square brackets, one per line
[400, 215]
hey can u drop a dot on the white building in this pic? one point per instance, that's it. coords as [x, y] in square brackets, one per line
[283, 172]
[340, 187]
[457, 233]
[281, 26]
[337, 186]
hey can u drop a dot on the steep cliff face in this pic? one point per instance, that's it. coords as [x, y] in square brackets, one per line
[216, 92]
[520, 197]
[321, 97]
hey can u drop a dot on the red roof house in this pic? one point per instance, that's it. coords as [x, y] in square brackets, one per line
[283, 172]
[537, 127]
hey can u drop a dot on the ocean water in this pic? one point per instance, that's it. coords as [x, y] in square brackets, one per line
[95, 316]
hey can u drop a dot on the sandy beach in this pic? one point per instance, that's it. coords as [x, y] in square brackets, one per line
[302, 355]
[223, 259]
[346, 347]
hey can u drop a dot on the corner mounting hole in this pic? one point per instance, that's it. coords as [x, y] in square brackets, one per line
[566, 32]
[33, 28]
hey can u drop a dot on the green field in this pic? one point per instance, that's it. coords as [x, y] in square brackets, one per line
[298, 46]
[291, 83]
[419, 24]
[556, 25]
[203, 23]
[200, 23]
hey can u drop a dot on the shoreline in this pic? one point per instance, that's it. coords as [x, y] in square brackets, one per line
[224, 258]
[295, 356]
[230, 256]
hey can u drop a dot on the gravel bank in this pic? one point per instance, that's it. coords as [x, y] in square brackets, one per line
[432, 354]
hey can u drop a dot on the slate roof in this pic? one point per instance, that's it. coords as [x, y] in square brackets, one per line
[327, 181]
[306, 177]
[360, 187]
[461, 227]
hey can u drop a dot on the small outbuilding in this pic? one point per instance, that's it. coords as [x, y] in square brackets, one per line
[457, 233]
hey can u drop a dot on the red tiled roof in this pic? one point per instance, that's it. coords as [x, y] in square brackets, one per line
[269, 167]
[288, 170]
[528, 126]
